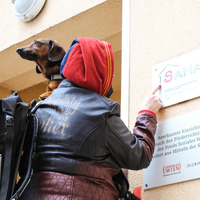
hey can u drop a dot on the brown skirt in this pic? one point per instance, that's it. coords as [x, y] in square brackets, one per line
[57, 186]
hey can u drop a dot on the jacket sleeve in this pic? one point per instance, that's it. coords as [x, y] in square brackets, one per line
[131, 151]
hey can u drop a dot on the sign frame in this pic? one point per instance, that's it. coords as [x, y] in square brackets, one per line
[179, 78]
[176, 156]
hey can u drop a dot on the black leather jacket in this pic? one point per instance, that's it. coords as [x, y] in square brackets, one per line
[82, 136]
[78, 125]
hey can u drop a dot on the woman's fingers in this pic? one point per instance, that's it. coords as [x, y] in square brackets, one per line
[155, 90]
[152, 102]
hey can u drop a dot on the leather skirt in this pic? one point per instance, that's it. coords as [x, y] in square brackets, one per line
[57, 186]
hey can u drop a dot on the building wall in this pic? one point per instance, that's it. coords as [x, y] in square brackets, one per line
[161, 30]
[4, 92]
[53, 13]
[15, 33]
[62, 21]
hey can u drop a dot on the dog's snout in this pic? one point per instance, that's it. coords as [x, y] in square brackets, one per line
[19, 50]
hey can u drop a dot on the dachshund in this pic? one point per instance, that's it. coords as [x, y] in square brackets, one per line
[47, 54]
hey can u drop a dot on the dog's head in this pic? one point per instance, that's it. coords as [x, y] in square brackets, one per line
[46, 53]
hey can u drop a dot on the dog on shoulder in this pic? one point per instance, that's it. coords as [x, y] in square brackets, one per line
[47, 54]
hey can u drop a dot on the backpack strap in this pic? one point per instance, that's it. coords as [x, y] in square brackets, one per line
[8, 107]
[131, 196]
[122, 185]
[29, 172]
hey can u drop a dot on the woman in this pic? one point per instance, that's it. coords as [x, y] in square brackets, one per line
[82, 142]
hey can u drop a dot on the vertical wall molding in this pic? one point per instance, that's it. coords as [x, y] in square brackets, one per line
[125, 61]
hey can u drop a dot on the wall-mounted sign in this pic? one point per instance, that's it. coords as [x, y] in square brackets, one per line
[179, 78]
[176, 156]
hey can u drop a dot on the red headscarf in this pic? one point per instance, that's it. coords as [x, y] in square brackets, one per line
[89, 63]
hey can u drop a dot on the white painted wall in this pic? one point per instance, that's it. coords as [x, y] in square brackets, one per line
[161, 30]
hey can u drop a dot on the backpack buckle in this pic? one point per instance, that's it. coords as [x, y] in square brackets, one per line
[9, 121]
[9, 124]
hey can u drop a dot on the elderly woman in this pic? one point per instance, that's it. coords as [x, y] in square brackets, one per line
[82, 142]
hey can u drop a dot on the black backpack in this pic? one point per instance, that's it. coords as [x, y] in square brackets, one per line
[122, 185]
[17, 120]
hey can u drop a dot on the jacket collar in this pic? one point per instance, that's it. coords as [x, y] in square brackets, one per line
[67, 83]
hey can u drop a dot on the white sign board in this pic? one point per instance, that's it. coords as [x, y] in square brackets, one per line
[179, 78]
[177, 151]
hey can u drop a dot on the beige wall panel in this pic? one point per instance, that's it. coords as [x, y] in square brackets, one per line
[32, 93]
[4, 92]
[24, 80]
[53, 13]
[161, 30]
[116, 95]
[116, 84]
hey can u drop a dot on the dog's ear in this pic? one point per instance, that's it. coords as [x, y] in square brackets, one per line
[56, 52]
[37, 70]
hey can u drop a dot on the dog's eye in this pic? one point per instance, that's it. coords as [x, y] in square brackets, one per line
[36, 42]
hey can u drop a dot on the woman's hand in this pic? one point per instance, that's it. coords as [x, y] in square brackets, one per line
[152, 102]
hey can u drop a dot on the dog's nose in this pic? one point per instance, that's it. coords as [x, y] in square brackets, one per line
[19, 50]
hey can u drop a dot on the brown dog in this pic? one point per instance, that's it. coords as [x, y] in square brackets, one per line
[47, 54]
